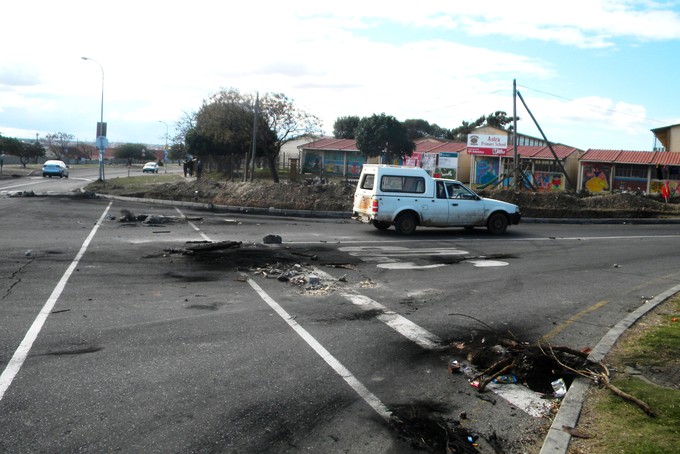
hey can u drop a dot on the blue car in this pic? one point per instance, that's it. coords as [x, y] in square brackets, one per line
[55, 168]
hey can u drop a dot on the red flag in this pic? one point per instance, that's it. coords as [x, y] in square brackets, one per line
[666, 191]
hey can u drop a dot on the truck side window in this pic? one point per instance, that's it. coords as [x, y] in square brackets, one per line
[441, 193]
[369, 181]
[398, 183]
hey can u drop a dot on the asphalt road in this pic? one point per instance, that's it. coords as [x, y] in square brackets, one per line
[113, 339]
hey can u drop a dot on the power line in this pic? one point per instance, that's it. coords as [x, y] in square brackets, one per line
[591, 105]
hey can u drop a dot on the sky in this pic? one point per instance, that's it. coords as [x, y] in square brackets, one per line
[595, 74]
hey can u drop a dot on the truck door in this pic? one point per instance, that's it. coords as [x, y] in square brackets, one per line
[465, 208]
[437, 214]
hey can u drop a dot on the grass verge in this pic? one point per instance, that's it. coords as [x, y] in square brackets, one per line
[646, 364]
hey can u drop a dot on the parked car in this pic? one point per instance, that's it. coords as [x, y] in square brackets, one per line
[406, 197]
[150, 167]
[55, 168]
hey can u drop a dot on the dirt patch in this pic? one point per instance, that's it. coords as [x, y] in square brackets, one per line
[339, 197]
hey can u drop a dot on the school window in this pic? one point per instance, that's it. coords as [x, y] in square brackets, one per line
[547, 167]
[631, 171]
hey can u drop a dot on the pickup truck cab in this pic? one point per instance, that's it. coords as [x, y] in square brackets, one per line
[407, 197]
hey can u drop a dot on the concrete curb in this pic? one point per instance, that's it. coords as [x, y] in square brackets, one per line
[557, 440]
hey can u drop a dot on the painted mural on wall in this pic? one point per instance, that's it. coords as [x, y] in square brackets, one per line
[596, 177]
[332, 163]
[672, 188]
[549, 181]
[486, 170]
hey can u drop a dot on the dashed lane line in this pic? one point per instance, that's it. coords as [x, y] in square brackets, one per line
[371, 399]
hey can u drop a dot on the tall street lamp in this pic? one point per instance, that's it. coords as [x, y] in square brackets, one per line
[165, 151]
[101, 128]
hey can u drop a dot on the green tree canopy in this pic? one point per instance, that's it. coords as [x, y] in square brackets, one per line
[418, 128]
[498, 119]
[223, 127]
[345, 127]
[132, 152]
[23, 150]
[383, 135]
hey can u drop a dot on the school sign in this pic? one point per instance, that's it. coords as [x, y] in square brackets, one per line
[487, 144]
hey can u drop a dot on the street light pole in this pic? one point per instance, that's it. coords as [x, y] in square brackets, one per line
[101, 130]
[165, 151]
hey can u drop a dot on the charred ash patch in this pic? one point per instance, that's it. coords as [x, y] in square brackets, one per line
[487, 355]
[425, 427]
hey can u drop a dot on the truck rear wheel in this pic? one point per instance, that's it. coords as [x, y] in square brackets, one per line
[497, 223]
[381, 225]
[406, 223]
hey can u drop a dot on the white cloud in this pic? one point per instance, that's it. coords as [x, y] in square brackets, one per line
[410, 60]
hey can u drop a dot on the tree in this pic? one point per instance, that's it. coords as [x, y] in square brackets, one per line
[286, 122]
[82, 151]
[221, 131]
[24, 151]
[420, 128]
[58, 144]
[383, 135]
[498, 119]
[130, 152]
[345, 127]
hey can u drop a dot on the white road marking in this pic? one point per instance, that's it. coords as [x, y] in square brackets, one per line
[22, 351]
[370, 398]
[487, 263]
[193, 226]
[408, 266]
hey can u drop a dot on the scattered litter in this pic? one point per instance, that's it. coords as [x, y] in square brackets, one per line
[454, 366]
[559, 387]
[505, 379]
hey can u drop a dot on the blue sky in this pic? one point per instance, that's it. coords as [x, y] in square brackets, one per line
[595, 74]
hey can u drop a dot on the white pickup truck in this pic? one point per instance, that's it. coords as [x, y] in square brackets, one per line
[407, 197]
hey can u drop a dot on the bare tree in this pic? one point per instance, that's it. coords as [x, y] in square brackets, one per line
[58, 144]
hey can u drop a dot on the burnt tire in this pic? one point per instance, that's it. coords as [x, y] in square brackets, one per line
[497, 223]
[381, 225]
[406, 223]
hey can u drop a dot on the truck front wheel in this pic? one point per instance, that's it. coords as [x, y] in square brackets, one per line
[497, 223]
[406, 223]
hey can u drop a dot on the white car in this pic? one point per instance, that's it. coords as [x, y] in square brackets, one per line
[150, 167]
[55, 168]
[407, 197]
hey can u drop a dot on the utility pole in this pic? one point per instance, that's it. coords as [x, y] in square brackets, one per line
[514, 134]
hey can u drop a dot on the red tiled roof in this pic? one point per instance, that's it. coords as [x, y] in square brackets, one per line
[600, 155]
[330, 143]
[666, 158]
[436, 146]
[635, 157]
